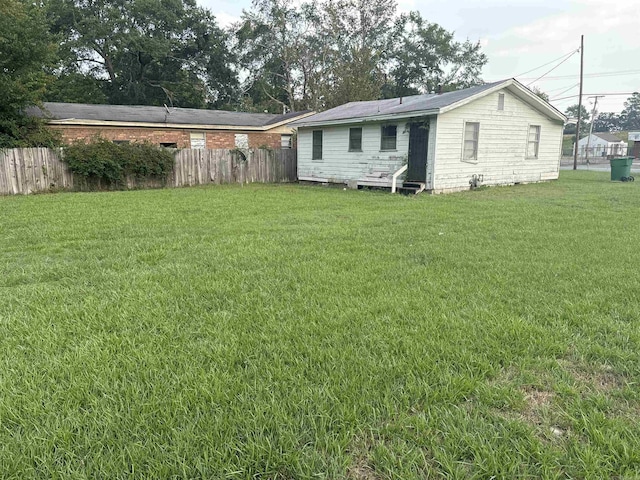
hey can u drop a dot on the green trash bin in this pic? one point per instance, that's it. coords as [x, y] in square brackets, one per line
[621, 169]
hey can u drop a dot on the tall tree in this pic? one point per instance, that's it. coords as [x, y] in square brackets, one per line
[630, 116]
[268, 39]
[359, 33]
[145, 51]
[585, 116]
[323, 53]
[26, 49]
[607, 122]
[427, 58]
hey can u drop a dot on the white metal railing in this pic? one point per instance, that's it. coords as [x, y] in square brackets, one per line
[395, 177]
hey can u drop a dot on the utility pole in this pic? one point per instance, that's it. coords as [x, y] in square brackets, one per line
[593, 117]
[575, 152]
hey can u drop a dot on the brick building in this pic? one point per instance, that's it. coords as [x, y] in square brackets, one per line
[170, 127]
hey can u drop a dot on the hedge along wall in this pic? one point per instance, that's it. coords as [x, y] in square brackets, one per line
[33, 170]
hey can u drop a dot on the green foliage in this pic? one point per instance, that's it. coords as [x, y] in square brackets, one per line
[148, 52]
[585, 116]
[298, 56]
[426, 58]
[540, 94]
[26, 50]
[21, 131]
[608, 122]
[103, 163]
[630, 116]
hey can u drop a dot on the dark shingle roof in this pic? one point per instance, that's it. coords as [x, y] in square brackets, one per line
[609, 137]
[145, 114]
[393, 106]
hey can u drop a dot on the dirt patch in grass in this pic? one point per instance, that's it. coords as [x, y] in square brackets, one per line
[599, 379]
[362, 471]
[536, 401]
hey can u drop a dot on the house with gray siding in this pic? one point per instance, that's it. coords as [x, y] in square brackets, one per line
[494, 134]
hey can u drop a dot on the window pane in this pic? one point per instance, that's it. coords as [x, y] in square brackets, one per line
[317, 145]
[470, 150]
[470, 143]
[501, 101]
[355, 139]
[533, 142]
[471, 130]
[285, 141]
[388, 140]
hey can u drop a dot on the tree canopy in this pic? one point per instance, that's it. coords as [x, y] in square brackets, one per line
[26, 49]
[321, 54]
[149, 52]
[283, 55]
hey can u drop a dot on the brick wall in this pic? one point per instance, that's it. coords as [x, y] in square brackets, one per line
[214, 138]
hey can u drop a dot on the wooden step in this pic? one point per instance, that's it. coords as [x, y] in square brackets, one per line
[411, 188]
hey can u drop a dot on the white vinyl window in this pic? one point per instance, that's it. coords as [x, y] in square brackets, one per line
[501, 101]
[470, 143]
[533, 141]
[286, 141]
[198, 140]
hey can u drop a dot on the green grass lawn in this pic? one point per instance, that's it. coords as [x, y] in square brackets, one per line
[304, 332]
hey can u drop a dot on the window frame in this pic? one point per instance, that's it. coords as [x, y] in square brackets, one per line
[289, 143]
[475, 140]
[501, 102]
[383, 137]
[198, 136]
[313, 144]
[351, 148]
[536, 141]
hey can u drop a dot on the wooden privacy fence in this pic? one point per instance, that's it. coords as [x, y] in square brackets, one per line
[32, 170]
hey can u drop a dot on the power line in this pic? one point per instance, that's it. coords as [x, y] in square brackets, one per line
[565, 91]
[560, 88]
[591, 75]
[545, 74]
[549, 63]
[594, 94]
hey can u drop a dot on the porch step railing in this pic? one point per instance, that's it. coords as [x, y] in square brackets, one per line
[394, 179]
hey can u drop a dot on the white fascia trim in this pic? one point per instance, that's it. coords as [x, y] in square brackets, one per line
[535, 101]
[110, 123]
[376, 118]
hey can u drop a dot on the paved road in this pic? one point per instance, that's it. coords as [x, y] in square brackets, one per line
[602, 167]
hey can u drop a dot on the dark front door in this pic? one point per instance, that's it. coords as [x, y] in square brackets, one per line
[418, 146]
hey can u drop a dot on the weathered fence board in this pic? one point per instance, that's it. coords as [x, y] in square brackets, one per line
[30, 170]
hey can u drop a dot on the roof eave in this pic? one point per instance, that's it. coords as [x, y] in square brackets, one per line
[534, 100]
[190, 126]
[291, 120]
[374, 118]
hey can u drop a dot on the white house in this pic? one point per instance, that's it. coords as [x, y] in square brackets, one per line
[494, 134]
[601, 145]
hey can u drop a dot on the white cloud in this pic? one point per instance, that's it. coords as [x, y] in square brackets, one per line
[226, 19]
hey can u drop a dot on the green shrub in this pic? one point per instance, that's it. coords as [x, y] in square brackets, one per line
[104, 164]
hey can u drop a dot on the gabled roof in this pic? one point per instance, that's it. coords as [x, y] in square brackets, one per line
[88, 114]
[609, 137]
[427, 104]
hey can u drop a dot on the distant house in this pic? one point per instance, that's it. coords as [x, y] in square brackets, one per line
[493, 134]
[602, 145]
[170, 127]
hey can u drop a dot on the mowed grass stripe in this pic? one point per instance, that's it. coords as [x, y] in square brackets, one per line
[300, 332]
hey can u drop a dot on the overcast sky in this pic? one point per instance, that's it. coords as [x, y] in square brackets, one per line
[520, 35]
